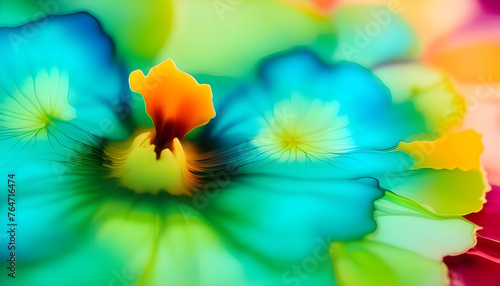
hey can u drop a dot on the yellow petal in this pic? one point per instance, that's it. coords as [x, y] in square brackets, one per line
[452, 150]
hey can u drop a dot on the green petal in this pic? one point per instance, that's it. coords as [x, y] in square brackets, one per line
[232, 33]
[88, 264]
[367, 263]
[429, 90]
[403, 224]
[444, 192]
[141, 36]
[170, 244]
[138, 39]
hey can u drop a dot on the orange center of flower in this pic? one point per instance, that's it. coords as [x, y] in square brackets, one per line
[175, 102]
[158, 160]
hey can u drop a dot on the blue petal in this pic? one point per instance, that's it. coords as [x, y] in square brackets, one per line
[375, 122]
[60, 69]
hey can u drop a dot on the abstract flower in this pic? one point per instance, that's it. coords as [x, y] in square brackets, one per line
[60, 89]
[296, 112]
[310, 164]
[66, 81]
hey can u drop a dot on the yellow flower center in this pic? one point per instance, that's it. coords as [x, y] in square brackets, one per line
[157, 160]
[139, 169]
[34, 103]
[300, 129]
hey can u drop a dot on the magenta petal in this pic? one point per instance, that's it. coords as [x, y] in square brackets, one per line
[489, 217]
[490, 6]
[488, 248]
[480, 265]
[472, 270]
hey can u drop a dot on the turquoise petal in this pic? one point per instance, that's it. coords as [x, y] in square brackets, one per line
[374, 121]
[279, 225]
[61, 74]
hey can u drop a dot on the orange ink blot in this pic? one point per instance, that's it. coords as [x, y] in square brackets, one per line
[174, 100]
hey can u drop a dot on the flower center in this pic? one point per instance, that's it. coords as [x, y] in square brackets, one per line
[175, 102]
[300, 129]
[35, 103]
[139, 169]
[157, 161]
